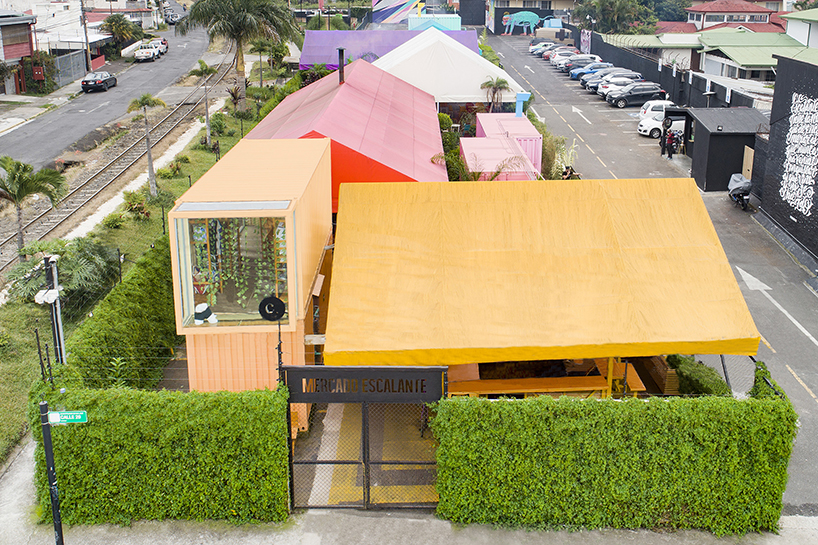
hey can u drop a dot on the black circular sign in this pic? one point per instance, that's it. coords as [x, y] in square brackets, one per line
[667, 122]
[272, 308]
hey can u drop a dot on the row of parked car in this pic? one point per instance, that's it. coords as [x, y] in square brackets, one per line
[150, 51]
[620, 87]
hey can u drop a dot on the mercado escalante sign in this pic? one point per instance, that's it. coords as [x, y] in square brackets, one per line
[324, 384]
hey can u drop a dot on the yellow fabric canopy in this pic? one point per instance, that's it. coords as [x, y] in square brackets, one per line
[454, 273]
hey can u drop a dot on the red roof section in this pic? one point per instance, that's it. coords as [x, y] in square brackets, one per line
[729, 6]
[754, 27]
[675, 27]
[387, 129]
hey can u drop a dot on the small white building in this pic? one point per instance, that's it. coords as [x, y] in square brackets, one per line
[803, 26]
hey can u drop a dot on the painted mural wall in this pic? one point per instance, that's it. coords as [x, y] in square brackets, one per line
[518, 20]
[792, 159]
[393, 11]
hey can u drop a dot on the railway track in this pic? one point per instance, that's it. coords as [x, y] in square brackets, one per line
[97, 181]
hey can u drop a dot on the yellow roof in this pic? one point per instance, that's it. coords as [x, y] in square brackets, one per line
[260, 170]
[451, 273]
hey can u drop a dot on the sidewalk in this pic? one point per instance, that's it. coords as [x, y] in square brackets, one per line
[13, 117]
[324, 527]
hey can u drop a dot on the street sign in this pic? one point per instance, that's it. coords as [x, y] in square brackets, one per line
[67, 417]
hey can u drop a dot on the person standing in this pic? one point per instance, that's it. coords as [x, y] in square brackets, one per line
[671, 144]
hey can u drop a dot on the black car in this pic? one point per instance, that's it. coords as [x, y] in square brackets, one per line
[636, 93]
[577, 63]
[98, 80]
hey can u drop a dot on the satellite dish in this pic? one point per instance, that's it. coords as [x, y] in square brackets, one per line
[272, 308]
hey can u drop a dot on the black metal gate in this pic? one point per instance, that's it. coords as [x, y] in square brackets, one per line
[366, 443]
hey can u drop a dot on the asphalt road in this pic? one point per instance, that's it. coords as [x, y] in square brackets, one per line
[785, 310]
[47, 136]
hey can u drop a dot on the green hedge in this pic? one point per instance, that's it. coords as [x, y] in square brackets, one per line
[134, 326]
[167, 455]
[713, 463]
[760, 387]
[696, 377]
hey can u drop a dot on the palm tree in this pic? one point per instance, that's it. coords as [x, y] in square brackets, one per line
[261, 46]
[241, 21]
[19, 183]
[204, 71]
[494, 91]
[144, 102]
[121, 29]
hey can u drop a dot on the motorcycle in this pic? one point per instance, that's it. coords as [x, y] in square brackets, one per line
[739, 190]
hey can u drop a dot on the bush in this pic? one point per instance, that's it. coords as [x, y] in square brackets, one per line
[86, 270]
[113, 221]
[164, 173]
[182, 159]
[697, 378]
[135, 321]
[760, 387]
[218, 124]
[167, 455]
[713, 463]
[280, 94]
[445, 121]
[451, 142]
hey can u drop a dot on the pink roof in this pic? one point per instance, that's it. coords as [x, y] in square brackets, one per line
[506, 124]
[372, 112]
[486, 155]
[729, 6]
[675, 27]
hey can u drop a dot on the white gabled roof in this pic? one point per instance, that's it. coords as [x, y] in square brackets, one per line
[441, 66]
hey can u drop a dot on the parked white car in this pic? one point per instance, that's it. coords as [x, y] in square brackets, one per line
[612, 84]
[653, 107]
[147, 52]
[652, 126]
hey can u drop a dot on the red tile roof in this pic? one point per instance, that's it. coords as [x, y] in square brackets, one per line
[675, 27]
[753, 27]
[729, 6]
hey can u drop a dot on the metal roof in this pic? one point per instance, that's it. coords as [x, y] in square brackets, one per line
[810, 15]
[729, 6]
[731, 120]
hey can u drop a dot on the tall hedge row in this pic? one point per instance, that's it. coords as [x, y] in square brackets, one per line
[131, 333]
[697, 378]
[713, 463]
[168, 455]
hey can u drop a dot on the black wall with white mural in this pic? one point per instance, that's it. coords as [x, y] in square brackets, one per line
[791, 173]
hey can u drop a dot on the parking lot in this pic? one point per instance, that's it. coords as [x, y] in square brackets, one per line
[605, 138]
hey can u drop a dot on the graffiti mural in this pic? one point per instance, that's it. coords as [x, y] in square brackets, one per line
[791, 173]
[801, 155]
[518, 21]
[393, 11]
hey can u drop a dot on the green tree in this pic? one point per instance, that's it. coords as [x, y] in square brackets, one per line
[18, 182]
[121, 28]
[803, 5]
[144, 102]
[494, 88]
[607, 16]
[204, 71]
[241, 21]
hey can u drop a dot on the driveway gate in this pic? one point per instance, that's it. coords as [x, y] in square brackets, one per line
[367, 444]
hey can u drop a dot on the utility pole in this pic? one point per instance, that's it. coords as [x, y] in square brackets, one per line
[84, 22]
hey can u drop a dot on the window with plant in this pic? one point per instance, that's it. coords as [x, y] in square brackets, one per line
[234, 263]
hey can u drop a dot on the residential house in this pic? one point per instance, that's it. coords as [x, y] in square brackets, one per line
[735, 14]
[803, 26]
[15, 44]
